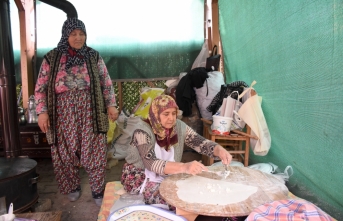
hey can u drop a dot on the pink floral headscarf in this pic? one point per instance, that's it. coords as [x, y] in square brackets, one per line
[164, 137]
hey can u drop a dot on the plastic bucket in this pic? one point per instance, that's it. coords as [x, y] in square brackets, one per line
[221, 125]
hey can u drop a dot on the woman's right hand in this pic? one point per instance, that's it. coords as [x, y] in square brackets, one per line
[194, 167]
[43, 122]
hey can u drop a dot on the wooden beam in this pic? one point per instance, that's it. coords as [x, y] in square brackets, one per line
[25, 8]
[19, 5]
[216, 34]
[208, 24]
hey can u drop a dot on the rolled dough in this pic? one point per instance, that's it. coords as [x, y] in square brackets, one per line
[197, 189]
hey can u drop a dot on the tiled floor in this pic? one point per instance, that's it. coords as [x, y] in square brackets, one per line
[83, 209]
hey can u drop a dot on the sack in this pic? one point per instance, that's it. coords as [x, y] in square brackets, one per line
[212, 62]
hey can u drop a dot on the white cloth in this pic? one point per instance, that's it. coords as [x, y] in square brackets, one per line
[162, 154]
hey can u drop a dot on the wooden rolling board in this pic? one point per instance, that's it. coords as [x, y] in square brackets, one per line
[269, 188]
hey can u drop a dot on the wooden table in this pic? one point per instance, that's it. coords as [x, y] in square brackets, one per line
[269, 188]
[41, 216]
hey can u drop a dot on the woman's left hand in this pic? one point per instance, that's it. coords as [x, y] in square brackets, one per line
[113, 113]
[223, 154]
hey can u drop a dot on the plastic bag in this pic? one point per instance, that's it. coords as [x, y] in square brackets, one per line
[272, 169]
[286, 173]
[147, 96]
[252, 114]
[200, 61]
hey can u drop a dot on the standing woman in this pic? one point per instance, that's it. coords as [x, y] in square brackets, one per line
[74, 100]
[156, 150]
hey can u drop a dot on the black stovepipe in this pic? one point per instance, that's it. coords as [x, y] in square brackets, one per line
[8, 97]
[64, 5]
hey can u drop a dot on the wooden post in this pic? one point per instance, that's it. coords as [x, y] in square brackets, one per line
[27, 51]
[215, 33]
[208, 23]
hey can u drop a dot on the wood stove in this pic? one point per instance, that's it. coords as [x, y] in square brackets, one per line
[18, 183]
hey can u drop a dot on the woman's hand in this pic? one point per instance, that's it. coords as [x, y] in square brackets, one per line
[223, 154]
[43, 122]
[113, 113]
[194, 167]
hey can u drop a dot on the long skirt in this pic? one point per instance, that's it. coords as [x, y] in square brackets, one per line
[132, 179]
[77, 145]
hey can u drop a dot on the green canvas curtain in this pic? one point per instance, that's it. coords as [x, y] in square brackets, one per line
[137, 39]
[294, 50]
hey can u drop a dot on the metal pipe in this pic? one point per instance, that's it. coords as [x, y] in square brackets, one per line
[8, 105]
[64, 5]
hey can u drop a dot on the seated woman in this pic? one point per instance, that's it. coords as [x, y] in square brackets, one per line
[156, 150]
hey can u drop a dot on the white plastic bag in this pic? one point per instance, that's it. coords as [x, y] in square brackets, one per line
[286, 173]
[200, 61]
[272, 169]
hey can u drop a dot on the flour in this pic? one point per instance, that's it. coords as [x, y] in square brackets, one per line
[197, 189]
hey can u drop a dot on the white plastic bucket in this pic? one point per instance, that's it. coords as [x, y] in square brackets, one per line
[221, 125]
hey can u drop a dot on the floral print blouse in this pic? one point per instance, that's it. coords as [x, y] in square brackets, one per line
[76, 78]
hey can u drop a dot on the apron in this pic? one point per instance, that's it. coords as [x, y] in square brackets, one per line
[162, 154]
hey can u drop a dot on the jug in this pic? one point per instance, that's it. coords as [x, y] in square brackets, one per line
[31, 111]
